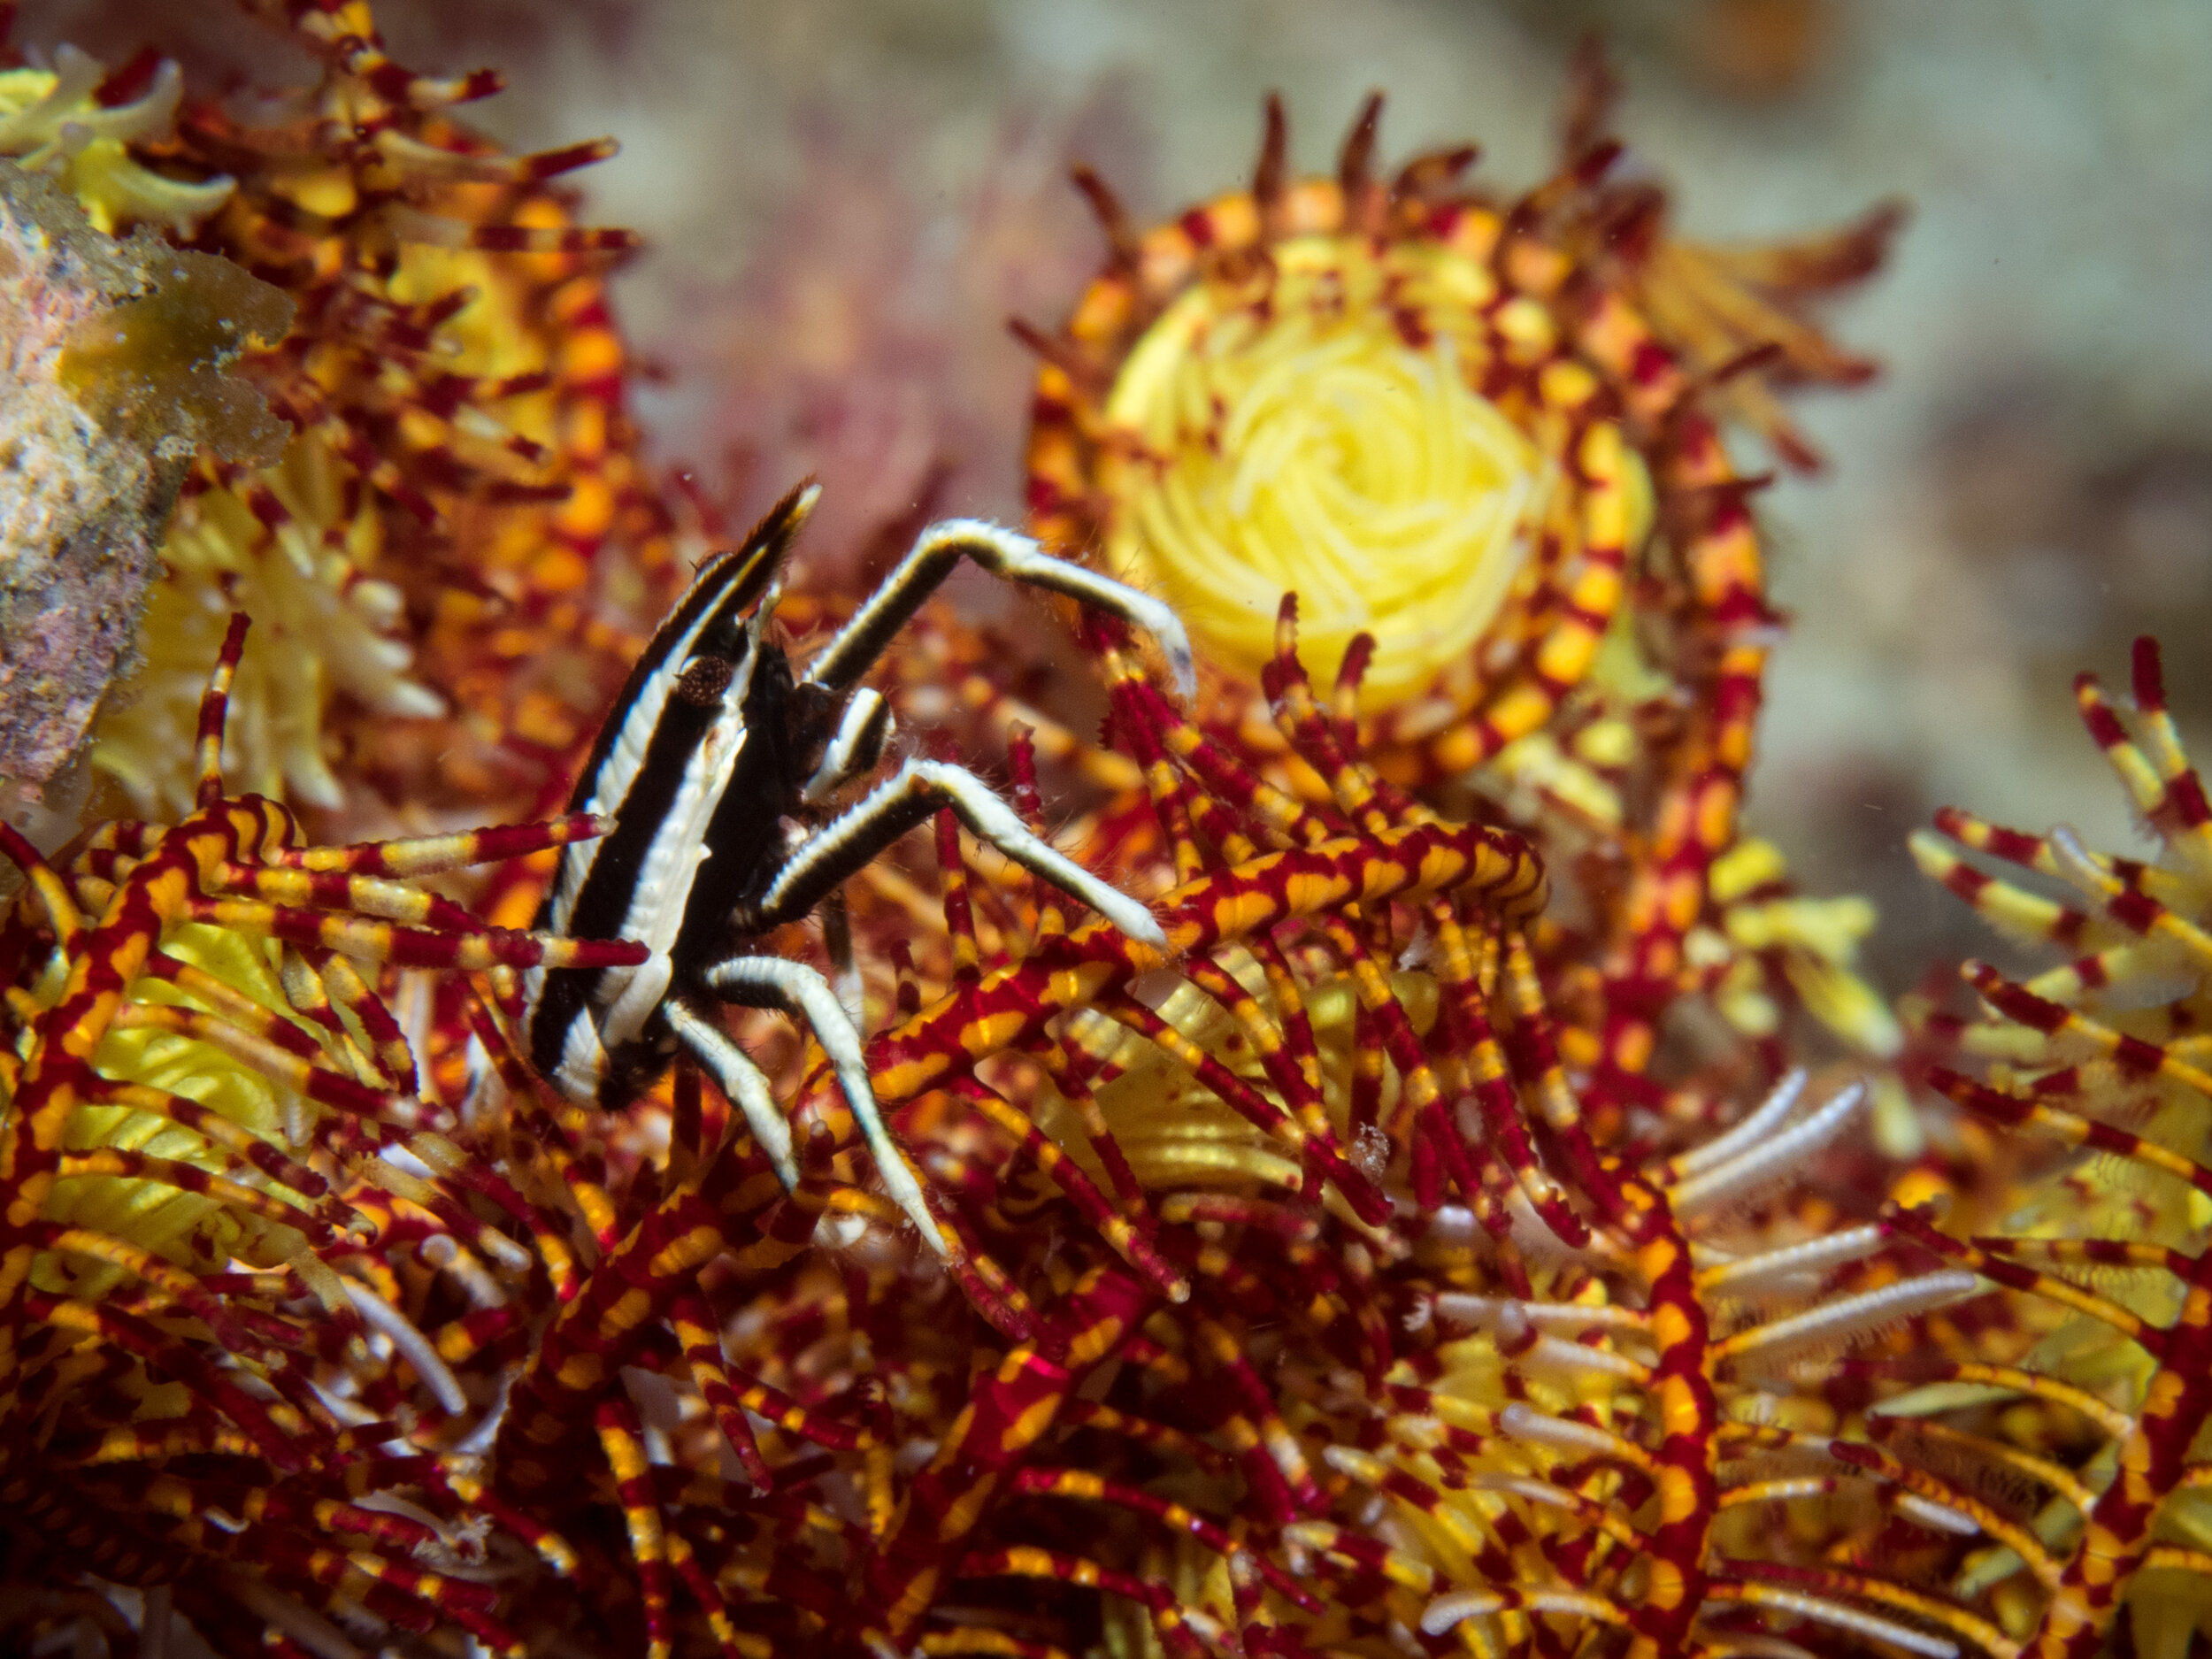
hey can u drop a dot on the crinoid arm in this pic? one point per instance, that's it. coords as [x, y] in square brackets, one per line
[230, 1107]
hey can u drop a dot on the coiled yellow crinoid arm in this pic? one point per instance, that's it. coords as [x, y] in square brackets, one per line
[1481, 429]
[52, 121]
[191, 1226]
[325, 628]
[1479, 437]
[1294, 427]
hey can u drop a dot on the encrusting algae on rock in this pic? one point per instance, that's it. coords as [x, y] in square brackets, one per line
[419, 556]
[119, 369]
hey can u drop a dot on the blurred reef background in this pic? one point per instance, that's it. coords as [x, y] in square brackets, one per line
[518, 423]
[843, 200]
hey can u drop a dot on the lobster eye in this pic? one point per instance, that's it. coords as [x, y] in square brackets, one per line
[704, 680]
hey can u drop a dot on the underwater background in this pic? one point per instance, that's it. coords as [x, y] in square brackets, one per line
[2027, 487]
[842, 201]
[1448, 1180]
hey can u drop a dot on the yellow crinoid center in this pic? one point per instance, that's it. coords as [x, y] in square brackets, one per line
[52, 121]
[192, 1229]
[1312, 425]
[321, 627]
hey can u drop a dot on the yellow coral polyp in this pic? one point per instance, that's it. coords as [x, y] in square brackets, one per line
[324, 628]
[1297, 428]
[193, 1229]
[52, 122]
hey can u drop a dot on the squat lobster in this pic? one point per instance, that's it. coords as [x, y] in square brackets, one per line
[710, 748]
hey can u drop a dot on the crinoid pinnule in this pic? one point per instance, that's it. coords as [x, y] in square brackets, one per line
[2101, 1052]
[240, 1222]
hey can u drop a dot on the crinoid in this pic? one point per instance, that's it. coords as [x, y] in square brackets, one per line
[1318, 1252]
[115, 377]
[1082, 1155]
[1327, 1312]
[1445, 418]
[1292, 1299]
[2103, 1053]
[226, 1166]
[1480, 437]
[455, 384]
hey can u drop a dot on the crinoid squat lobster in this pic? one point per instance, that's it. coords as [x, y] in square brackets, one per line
[711, 748]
